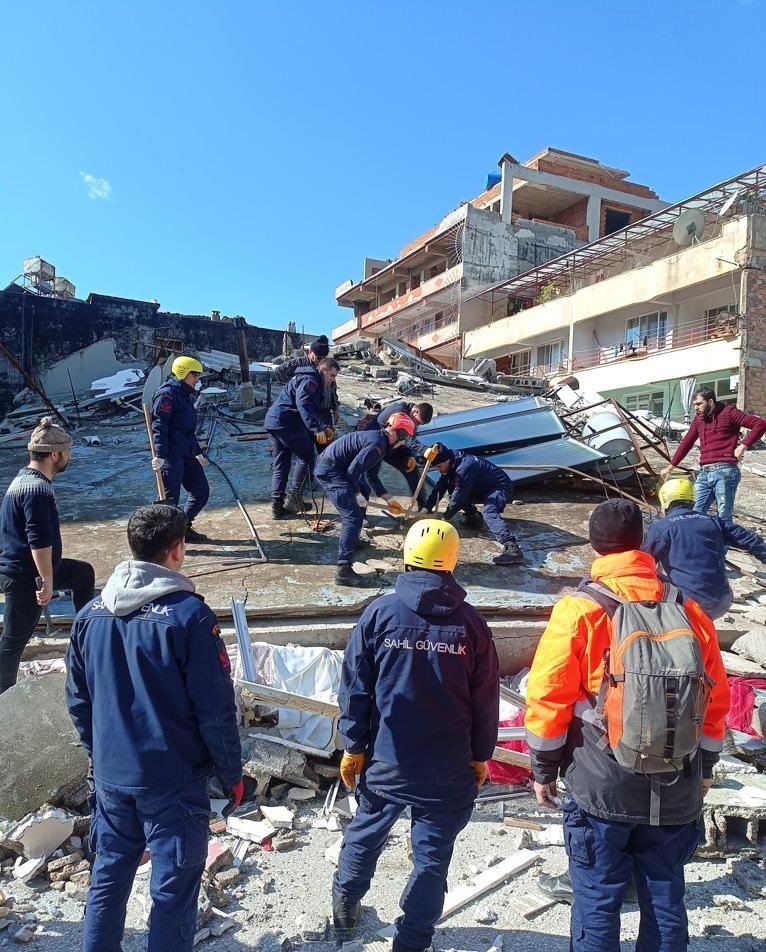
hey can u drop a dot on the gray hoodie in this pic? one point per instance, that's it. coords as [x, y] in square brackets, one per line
[134, 583]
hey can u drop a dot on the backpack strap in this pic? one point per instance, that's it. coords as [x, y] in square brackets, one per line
[600, 594]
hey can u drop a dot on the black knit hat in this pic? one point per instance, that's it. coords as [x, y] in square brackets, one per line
[444, 455]
[616, 526]
[320, 346]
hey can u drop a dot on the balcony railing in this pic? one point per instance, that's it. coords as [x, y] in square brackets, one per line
[683, 335]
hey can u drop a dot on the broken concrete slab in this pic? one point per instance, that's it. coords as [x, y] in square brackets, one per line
[247, 828]
[265, 757]
[39, 834]
[280, 817]
[752, 645]
[740, 667]
[332, 853]
[25, 870]
[750, 875]
[39, 748]
[300, 794]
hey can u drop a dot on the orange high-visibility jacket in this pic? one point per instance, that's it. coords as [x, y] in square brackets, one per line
[569, 666]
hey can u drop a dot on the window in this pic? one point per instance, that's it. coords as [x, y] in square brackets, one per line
[520, 363]
[551, 355]
[724, 390]
[615, 220]
[648, 330]
[402, 288]
[415, 280]
[718, 320]
[654, 401]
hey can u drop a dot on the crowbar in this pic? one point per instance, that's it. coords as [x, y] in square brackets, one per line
[49, 629]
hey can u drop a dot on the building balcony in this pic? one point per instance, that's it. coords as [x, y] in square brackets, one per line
[428, 290]
[723, 327]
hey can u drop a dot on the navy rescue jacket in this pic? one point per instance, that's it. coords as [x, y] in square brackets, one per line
[174, 421]
[149, 683]
[690, 548]
[470, 480]
[398, 406]
[419, 692]
[354, 458]
[300, 403]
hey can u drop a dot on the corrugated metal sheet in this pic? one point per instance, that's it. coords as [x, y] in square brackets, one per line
[495, 426]
[218, 360]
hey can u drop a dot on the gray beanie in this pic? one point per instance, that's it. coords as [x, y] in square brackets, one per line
[49, 437]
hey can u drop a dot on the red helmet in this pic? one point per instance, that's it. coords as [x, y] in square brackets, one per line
[402, 421]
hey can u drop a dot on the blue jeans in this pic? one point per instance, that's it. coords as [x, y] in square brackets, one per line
[603, 855]
[433, 833]
[189, 474]
[719, 480]
[173, 824]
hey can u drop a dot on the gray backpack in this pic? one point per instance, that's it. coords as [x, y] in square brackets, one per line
[655, 691]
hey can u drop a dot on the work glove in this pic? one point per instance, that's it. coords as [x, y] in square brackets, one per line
[321, 438]
[329, 433]
[351, 767]
[432, 452]
[201, 459]
[481, 770]
[234, 795]
[395, 507]
[361, 500]
[158, 463]
[410, 465]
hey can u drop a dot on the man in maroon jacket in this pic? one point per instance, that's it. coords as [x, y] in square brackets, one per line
[717, 426]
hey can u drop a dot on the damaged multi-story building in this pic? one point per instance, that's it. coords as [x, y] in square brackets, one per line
[528, 214]
[674, 301]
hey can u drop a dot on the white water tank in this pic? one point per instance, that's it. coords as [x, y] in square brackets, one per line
[604, 431]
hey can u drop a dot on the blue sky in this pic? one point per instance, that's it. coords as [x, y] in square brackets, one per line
[246, 156]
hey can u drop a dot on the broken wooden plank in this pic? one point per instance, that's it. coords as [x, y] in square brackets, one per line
[514, 757]
[300, 702]
[488, 880]
[521, 824]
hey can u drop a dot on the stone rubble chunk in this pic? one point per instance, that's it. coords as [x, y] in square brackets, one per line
[300, 794]
[280, 817]
[66, 872]
[81, 879]
[24, 935]
[70, 859]
[41, 833]
[486, 914]
[752, 645]
[228, 877]
[729, 903]
[312, 927]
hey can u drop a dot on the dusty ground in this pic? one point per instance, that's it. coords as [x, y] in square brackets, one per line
[302, 881]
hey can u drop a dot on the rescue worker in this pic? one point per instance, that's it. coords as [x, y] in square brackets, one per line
[608, 809]
[347, 472]
[150, 693]
[30, 547]
[690, 547]
[318, 350]
[419, 699]
[178, 455]
[297, 424]
[717, 427]
[470, 480]
[403, 457]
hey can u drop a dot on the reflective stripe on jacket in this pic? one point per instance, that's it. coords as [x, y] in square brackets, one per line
[569, 666]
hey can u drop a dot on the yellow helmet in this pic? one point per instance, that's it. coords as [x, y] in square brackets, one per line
[183, 366]
[432, 544]
[678, 489]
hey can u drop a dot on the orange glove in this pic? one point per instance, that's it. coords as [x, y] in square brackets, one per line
[410, 464]
[329, 433]
[351, 766]
[481, 771]
[321, 437]
[432, 452]
[395, 507]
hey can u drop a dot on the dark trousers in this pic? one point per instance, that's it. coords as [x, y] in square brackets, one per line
[286, 443]
[603, 855]
[343, 497]
[22, 613]
[433, 833]
[173, 824]
[186, 472]
[398, 459]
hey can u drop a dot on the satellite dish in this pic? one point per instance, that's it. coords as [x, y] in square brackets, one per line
[729, 202]
[688, 229]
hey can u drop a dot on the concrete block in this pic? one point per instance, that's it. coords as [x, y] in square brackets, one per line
[280, 817]
[24, 935]
[219, 856]
[25, 870]
[300, 794]
[67, 872]
[228, 877]
[36, 723]
[750, 876]
[752, 645]
[256, 831]
[41, 833]
[266, 757]
[69, 860]
[81, 878]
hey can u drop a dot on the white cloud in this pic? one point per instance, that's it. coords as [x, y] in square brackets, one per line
[97, 187]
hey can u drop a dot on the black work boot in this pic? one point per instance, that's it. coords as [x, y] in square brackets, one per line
[472, 519]
[277, 509]
[296, 503]
[363, 542]
[557, 887]
[511, 555]
[345, 575]
[193, 536]
[345, 918]
[398, 947]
